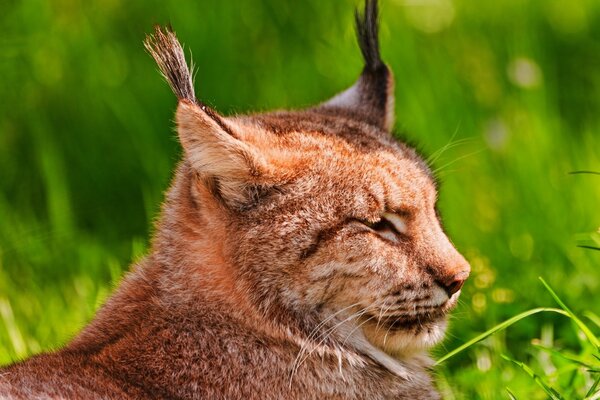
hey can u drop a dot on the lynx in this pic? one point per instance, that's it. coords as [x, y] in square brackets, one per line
[298, 255]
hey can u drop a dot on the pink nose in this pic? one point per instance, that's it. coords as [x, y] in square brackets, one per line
[453, 283]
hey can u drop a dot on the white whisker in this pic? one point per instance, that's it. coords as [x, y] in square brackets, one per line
[312, 334]
[327, 333]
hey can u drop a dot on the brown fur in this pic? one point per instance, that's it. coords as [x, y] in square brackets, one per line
[298, 255]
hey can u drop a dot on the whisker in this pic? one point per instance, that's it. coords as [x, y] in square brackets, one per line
[330, 318]
[325, 335]
[435, 171]
[295, 365]
[358, 327]
[451, 143]
[457, 143]
[415, 309]
[380, 316]
[331, 329]
[386, 333]
[436, 154]
[300, 359]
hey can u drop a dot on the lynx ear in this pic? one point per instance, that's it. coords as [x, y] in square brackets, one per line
[372, 96]
[209, 141]
[217, 153]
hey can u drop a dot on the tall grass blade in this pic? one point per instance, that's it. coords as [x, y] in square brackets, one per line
[592, 317]
[570, 358]
[584, 172]
[583, 246]
[593, 388]
[549, 390]
[588, 333]
[511, 395]
[497, 328]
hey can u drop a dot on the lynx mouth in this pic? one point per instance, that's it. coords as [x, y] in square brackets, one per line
[418, 317]
[407, 330]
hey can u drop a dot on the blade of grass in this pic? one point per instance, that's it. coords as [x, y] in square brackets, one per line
[511, 394]
[497, 328]
[573, 368]
[583, 246]
[592, 317]
[593, 388]
[549, 390]
[588, 333]
[570, 358]
[584, 172]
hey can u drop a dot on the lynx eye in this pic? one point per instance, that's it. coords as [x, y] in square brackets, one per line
[390, 226]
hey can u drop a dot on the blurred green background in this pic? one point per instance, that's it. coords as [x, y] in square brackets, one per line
[510, 89]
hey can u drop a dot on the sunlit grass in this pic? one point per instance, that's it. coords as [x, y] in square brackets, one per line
[582, 367]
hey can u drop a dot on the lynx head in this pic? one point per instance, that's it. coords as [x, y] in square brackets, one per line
[319, 214]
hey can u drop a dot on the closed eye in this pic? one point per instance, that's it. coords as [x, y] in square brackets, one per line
[391, 226]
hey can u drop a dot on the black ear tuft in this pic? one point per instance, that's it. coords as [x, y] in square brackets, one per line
[166, 50]
[367, 30]
[371, 98]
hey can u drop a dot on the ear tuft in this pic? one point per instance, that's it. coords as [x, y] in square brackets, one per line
[166, 50]
[371, 98]
[211, 145]
[367, 32]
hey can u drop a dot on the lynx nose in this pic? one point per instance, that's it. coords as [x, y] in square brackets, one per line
[453, 283]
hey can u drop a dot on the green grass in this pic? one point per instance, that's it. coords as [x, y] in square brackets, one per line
[509, 89]
[579, 374]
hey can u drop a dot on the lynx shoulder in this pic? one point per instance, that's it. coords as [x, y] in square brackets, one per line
[298, 255]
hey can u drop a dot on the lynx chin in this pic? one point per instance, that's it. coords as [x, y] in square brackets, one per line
[298, 255]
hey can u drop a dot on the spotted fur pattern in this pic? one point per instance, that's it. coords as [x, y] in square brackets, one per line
[298, 255]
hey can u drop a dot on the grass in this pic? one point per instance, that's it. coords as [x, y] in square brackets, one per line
[503, 95]
[582, 370]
